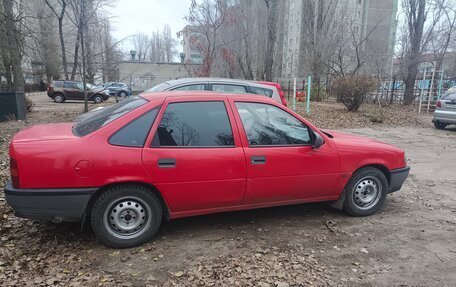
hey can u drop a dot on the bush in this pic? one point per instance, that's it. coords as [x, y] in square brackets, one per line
[29, 104]
[351, 90]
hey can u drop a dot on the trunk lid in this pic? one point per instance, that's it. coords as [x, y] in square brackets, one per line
[45, 132]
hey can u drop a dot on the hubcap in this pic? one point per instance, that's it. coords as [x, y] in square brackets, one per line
[367, 192]
[127, 217]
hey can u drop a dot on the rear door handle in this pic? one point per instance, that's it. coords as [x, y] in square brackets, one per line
[167, 163]
[258, 160]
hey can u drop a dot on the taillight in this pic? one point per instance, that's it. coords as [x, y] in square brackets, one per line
[439, 104]
[14, 173]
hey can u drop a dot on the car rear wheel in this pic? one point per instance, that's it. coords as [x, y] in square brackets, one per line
[126, 216]
[365, 192]
[439, 125]
[59, 98]
[98, 99]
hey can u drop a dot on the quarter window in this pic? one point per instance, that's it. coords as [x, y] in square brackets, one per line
[262, 91]
[194, 124]
[267, 125]
[234, 89]
[135, 133]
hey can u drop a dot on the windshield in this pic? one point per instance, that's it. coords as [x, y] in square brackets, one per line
[97, 119]
[158, 88]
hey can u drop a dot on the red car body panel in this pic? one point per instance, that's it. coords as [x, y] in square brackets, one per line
[205, 180]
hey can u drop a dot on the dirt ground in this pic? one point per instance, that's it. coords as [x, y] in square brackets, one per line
[411, 242]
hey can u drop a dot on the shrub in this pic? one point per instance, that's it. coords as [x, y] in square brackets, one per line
[351, 90]
[29, 104]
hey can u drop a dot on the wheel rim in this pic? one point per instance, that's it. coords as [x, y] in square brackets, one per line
[367, 192]
[127, 217]
[123, 95]
[98, 100]
[58, 99]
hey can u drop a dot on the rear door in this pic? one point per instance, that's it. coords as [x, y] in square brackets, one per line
[195, 156]
[72, 91]
[282, 165]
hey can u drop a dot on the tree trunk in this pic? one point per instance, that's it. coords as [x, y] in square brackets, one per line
[416, 19]
[272, 31]
[76, 54]
[62, 46]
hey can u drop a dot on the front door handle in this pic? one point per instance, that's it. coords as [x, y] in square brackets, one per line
[258, 160]
[167, 163]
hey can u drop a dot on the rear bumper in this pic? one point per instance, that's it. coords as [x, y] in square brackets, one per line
[398, 176]
[49, 204]
[447, 117]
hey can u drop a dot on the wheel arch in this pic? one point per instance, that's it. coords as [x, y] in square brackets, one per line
[338, 204]
[153, 189]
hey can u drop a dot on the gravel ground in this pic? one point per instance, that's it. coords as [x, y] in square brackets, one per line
[410, 243]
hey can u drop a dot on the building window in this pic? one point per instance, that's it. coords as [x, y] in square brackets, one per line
[359, 1]
[356, 29]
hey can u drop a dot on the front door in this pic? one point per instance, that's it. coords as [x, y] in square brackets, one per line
[282, 165]
[195, 157]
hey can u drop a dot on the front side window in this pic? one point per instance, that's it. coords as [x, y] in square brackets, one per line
[267, 125]
[94, 120]
[199, 87]
[135, 133]
[233, 89]
[194, 124]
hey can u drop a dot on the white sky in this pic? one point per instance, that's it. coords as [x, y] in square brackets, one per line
[131, 16]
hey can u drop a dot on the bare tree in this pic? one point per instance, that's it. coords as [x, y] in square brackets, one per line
[59, 11]
[169, 44]
[141, 44]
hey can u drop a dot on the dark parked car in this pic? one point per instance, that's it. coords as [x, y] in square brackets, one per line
[61, 91]
[118, 89]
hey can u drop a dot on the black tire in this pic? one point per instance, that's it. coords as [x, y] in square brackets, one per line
[59, 98]
[439, 125]
[365, 192]
[137, 202]
[123, 95]
[98, 99]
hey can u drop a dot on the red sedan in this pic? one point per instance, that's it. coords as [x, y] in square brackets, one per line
[177, 154]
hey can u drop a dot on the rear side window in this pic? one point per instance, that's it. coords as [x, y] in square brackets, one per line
[262, 91]
[70, 85]
[233, 89]
[449, 97]
[135, 133]
[194, 124]
[200, 87]
[58, 84]
[97, 119]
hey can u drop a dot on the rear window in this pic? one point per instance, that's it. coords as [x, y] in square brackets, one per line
[158, 88]
[106, 115]
[262, 91]
[449, 97]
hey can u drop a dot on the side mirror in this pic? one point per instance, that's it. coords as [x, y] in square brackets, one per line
[318, 141]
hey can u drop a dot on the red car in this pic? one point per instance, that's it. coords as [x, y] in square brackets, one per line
[177, 154]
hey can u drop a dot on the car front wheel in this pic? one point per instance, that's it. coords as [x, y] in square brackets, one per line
[365, 192]
[126, 216]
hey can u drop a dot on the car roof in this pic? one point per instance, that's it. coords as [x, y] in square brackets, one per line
[209, 94]
[212, 80]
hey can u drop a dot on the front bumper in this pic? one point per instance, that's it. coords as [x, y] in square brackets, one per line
[398, 176]
[49, 204]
